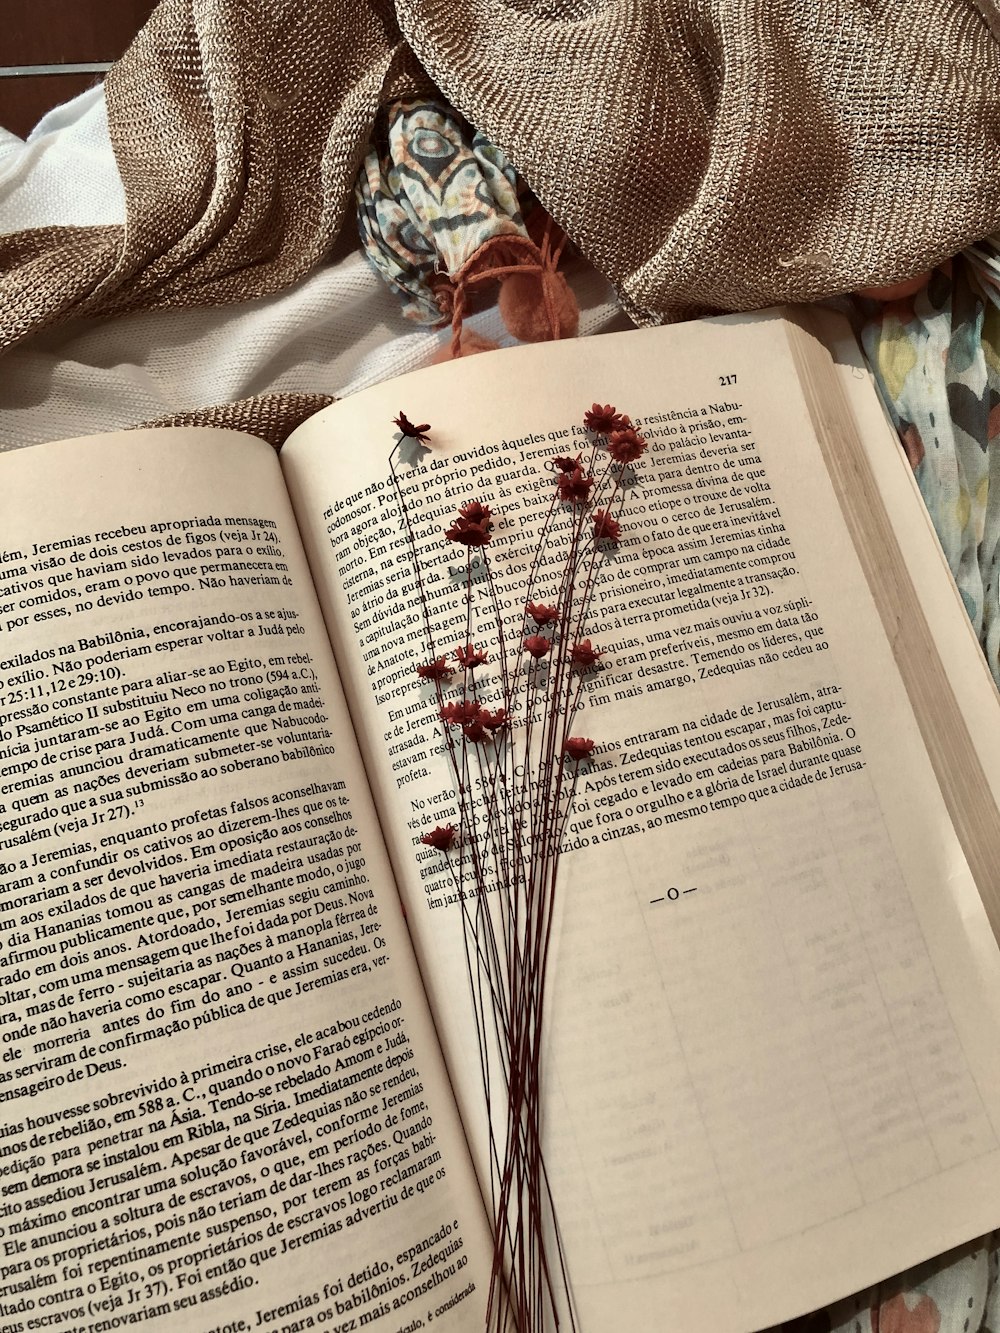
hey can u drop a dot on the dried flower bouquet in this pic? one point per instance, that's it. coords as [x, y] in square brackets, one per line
[507, 698]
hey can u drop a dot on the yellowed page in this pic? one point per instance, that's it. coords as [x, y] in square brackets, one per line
[773, 1075]
[222, 1099]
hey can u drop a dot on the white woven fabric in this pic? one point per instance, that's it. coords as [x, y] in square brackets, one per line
[64, 172]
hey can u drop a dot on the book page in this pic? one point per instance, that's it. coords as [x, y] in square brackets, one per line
[951, 687]
[773, 1073]
[222, 1103]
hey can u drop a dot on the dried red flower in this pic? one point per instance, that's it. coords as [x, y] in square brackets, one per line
[605, 527]
[436, 670]
[575, 486]
[541, 614]
[584, 654]
[602, 420]
[493, 721]
[470, 531]
[459, 713]
[440, 837]
[537, 645]
[418, 433]
[566, 464]
[474, 512]
[578, 747]
[470, 656]
[476, 723]
[625, 446]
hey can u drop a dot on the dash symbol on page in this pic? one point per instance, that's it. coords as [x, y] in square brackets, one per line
[672, 894]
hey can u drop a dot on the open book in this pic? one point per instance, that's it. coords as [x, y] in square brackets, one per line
[238, 1080]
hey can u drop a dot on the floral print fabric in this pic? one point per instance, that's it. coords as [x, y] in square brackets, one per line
[957, 1294]
[936, 358]
[428, 200]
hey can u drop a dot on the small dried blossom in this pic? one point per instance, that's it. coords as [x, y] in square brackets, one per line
[625, 446]
[606, 528]
[602, 420]
[575, 486]
[578, 747]
[470, 656]
[541, 614]
[440, 837]
[584, 654]
[436, 670]
[472, 527]
[475, 512]
[406, 427]
[537, 645]
[566, 464]
[457, 713]
[475, 732]
[469, 534]
[493, 721]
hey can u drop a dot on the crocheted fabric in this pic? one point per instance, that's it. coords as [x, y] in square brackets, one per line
[702, 155]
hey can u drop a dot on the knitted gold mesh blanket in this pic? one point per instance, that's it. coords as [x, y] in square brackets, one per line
[703, 154]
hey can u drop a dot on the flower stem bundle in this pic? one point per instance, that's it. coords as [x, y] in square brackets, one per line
[507, 696]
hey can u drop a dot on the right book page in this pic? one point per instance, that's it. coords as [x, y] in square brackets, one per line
[773, 1072]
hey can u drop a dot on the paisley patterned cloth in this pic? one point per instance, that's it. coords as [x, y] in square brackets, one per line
[958, 1296]
[936, 357]
[428, 200]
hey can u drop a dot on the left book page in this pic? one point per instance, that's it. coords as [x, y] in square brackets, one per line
[221, 1097]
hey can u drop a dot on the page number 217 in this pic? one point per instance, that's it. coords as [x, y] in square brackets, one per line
[727, 379]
